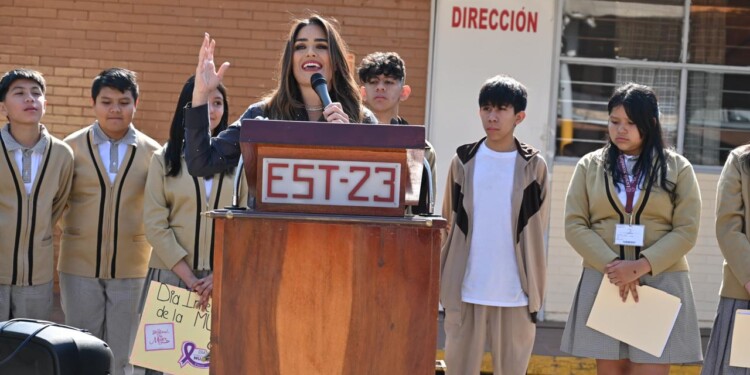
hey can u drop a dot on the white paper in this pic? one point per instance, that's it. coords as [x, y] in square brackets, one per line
[740, 354]
[645, 325]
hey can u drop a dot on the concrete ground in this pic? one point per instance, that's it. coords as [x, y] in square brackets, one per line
[547, 359]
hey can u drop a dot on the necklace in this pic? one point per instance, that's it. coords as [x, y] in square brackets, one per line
[314, 109]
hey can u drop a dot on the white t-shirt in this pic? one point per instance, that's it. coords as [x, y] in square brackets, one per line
[491, 277]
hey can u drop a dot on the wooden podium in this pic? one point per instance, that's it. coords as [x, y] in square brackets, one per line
[326, 275]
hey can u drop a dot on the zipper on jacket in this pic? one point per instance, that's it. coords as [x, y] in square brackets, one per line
[116, 213]
[24, 244]
[107, 234]
[34, 202]
[102, 203]
[614, 205]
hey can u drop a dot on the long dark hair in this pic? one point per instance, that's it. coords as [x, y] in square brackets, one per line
[286, 100]
[642, 108]
[173, 153]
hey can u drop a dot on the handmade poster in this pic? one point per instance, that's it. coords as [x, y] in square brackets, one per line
[740, 354]
[173, 335]
[645, 325]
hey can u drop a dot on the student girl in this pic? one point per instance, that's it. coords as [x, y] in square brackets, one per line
[314, 46]
[732, 214]
[633, 180]
[182, 238]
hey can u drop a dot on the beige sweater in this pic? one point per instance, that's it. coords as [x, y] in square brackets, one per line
[175, 225]
[592, 210]
[27, 220]
[732, 214]
[103, 233]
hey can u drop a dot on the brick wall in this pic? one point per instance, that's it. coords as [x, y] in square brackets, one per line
[71, 41]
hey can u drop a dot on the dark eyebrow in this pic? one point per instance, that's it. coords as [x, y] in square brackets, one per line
[316, 39]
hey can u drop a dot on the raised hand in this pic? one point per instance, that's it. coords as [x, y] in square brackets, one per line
[207, 78]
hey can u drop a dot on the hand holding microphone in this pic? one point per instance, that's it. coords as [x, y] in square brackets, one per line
[332, 111]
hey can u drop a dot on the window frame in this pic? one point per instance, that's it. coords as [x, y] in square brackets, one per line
[683, 66]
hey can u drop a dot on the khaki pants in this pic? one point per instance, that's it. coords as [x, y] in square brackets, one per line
[511, 337]
[108, 308]
[29, 301]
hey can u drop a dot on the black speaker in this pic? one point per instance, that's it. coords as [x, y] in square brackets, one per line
[38, 347]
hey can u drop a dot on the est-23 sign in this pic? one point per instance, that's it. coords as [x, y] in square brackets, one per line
[331, 182]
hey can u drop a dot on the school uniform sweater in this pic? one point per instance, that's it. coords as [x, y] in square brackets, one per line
[103, 232]
[592, 211]
[27, 221]
[732, 215]
[530, 205]
[173, 209]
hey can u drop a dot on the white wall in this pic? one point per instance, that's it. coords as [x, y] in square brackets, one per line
[464, 57]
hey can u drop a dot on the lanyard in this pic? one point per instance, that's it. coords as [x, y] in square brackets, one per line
[630, 184]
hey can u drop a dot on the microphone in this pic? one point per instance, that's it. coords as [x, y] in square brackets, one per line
[320, 86]
[236, 188]
[430, 188]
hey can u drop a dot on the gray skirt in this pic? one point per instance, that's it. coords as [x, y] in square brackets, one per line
[720, 343]
[683, 345]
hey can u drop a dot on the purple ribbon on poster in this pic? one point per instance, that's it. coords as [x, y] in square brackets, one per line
[188, 348]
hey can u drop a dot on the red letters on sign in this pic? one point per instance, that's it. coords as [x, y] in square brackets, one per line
[328, 169]
[272, 178]
[491, 18]
[296, 177]
[456, 19]
[391, 182]
[331, 182]
[353, 194]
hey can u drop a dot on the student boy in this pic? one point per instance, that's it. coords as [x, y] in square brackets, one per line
[104, 254]
[492, 261]
[36, 172]
[382, 78]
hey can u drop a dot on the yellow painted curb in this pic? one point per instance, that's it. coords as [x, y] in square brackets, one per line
[549, 365]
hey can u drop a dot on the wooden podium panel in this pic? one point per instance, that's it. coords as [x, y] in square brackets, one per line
[307, 294]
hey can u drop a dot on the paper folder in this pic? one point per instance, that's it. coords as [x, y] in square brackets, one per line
[740, 354]
[645, 325]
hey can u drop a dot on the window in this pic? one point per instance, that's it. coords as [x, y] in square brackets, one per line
[623, 30]
[718, 116]
[695, 54]
[582, 103]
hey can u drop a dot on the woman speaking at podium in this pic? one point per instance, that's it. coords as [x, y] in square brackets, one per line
[314, 46]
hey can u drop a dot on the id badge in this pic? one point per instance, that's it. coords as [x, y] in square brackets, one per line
[629, 235]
